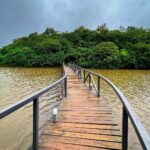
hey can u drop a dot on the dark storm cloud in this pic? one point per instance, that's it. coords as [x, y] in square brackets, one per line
[21, 17]
[18, 18]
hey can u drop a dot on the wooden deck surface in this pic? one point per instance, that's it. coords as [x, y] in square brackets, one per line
[85, 122]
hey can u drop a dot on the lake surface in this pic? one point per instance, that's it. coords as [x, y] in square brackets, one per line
[135, 84]
[16, 83]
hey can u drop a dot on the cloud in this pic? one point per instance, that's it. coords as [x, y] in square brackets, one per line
[68, 14]
[21, 17]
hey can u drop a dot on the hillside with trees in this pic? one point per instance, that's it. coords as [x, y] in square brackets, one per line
[127, 48]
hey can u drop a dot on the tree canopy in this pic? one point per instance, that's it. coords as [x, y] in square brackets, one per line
[101, 48]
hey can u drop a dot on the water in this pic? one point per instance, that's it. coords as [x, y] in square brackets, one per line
[135, 84]
[16, 83]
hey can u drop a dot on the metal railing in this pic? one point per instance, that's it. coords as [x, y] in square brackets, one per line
[35, 99]
[128, 112]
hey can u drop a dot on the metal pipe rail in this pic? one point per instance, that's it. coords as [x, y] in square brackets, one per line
[128, 111]
[35, 99]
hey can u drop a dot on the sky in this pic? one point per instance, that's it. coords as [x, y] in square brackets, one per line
[21, 17]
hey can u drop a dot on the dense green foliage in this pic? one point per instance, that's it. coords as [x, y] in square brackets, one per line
[100, 48]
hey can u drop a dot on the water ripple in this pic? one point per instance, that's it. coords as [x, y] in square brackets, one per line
[17, 83]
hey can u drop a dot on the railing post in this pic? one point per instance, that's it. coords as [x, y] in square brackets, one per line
[124, 130]
[80, 74]
[65, 86]
[98, 86]
[35, 123]
[84, 76]
[90, 81]
[62, 90]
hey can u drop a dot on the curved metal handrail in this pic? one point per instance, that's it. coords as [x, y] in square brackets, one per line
[141, 132]
[35, 99]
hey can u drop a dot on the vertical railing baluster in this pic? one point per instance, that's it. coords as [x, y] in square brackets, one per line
[124, 130]
[35, 123]
[84, 76]
[62, 89]
[99, 85]
[65, 86]
[90, 81]
[80, 73]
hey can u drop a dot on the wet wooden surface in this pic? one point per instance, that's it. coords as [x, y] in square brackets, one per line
[85, 122]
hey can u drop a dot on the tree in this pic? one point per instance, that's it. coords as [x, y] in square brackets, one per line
[18, 57]
[102, 28]
[50, 31]
[106, 55]
[100, 48]
[142, 54]
[78, 55]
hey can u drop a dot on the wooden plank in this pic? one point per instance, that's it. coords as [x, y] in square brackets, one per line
[88, 126]
[99, 137]
[88, 116]
[87, 112]
[44, 148]
[83, 130]
[83, 119]
[65, 146]
[102, 109]
[84, 142]
[86, 119]
[85, 115]
[91, 122]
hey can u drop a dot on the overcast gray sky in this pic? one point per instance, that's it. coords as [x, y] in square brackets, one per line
[21, 17]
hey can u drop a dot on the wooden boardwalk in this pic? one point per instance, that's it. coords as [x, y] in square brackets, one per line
[85, 122]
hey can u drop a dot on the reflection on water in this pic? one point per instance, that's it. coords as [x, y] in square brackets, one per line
[135, 84]
[15, 83]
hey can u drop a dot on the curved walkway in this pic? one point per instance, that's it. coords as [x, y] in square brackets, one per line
[85, 122]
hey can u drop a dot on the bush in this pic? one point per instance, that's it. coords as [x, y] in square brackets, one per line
[106, 55]
[48, 46]
[77, 55]
[18, 57]
[142, 54]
